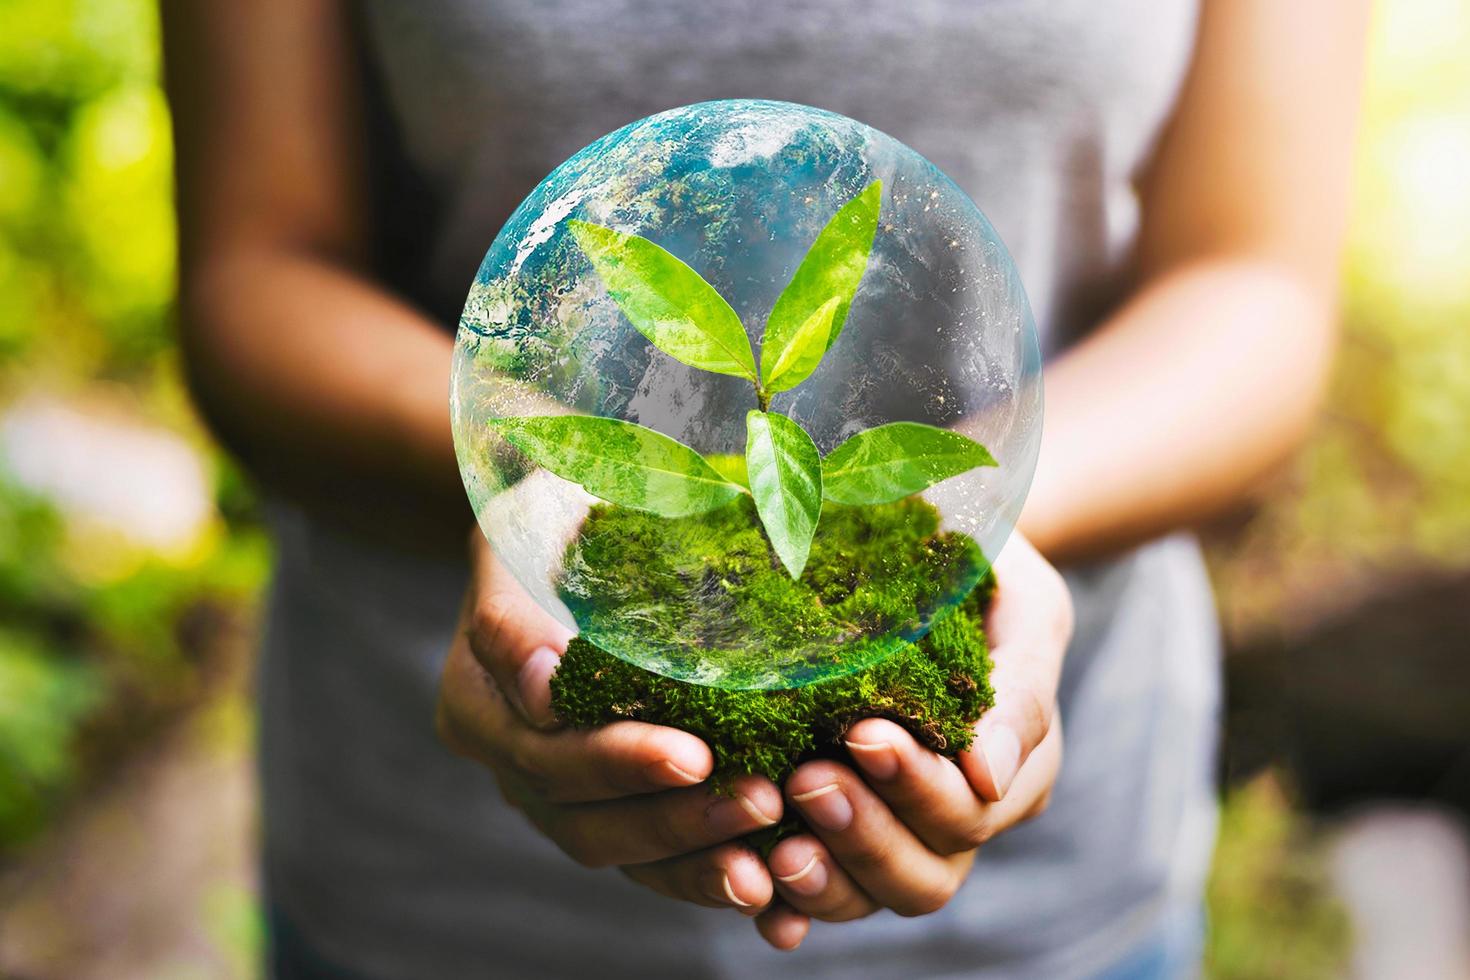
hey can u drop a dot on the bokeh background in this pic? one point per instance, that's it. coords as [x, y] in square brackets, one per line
[132, 560]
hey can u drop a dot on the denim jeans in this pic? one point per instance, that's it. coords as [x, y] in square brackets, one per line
[1174, 952]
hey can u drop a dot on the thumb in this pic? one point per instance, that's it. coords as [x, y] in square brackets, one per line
[1030, 624]
[514, 640]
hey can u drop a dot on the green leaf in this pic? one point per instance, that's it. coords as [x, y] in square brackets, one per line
[786, 481]
[833, 266]
[806, 347]
[667, 301]
[620, 462]
[731, 466]
[895, 460]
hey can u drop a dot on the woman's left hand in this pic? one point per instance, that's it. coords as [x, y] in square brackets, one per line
[900, 828]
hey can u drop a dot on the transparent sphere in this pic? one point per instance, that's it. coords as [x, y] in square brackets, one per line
[716, 507]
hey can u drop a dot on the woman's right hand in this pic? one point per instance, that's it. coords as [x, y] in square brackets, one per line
[628, 794]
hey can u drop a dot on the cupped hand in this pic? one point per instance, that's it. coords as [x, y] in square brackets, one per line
[627, 794]
[900, 827]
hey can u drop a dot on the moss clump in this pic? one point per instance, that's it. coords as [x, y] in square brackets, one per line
[701, 596]
[936, 686]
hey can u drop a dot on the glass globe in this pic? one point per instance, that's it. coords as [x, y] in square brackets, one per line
[745, 392]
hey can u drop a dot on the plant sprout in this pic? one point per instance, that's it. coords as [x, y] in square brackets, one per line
[685, 317]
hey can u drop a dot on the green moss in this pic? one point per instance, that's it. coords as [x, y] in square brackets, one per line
[680, 594]
[936, 686]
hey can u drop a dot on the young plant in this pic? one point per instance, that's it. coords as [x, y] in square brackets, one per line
[685, 317]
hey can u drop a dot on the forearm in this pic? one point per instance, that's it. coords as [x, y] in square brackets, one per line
[333, 392]
[1177, 406]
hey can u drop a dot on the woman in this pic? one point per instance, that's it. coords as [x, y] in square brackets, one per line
[1171, 181]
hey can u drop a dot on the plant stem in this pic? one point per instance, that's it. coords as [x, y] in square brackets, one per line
[763, 398]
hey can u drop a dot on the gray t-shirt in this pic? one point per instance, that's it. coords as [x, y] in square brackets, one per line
[398, 860]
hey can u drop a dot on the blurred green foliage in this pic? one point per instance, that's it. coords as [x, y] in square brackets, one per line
[45, 691]
[88, 662]
[94, 648]
[1383, 488]
[86, 230]
[1271, 914]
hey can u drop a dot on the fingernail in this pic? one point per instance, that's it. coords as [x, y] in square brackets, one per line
[716, 885]
[809, 881]
[1003, 756]
[666, 773]
[533, 687]
[826, 806]
[736, 815]
[878, 759]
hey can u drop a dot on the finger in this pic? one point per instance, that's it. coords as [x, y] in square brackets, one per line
[1031, 792]
[516, 641]
[783, 927]
[1030, 625]
[812, 882]
[883, 856]
[926, 792]
[653, 827]
[620, 759]
[727, 876]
